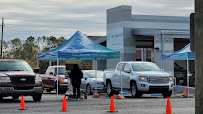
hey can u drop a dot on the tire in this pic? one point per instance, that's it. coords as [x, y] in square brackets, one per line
[109, 89]
[37, 97]
[49, 90]
[60, 91]
[134, 90]
[116, 92]
[1, 98]
[15, 97]
[63, 91]
[88, 89]
[167, 94]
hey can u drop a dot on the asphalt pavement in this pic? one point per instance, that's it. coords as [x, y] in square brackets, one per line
[147, 104]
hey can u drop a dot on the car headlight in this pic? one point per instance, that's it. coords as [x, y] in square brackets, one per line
[94, 81]
[38, 79]
[170, 78]
[5, 79]
[143, 78]
[64, 80]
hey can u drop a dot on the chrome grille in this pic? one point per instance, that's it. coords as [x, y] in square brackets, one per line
[158, 79]
[23, 80]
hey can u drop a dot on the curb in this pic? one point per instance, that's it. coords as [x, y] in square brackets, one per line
[49, 92]
[179, 96]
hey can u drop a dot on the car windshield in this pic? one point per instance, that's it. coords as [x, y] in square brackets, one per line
[145, 67]
[61, 70]
[14, 66]
[91, 74]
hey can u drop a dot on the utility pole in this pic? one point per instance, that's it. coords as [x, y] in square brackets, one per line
[50, 48]
[198, 57]
[2, 37]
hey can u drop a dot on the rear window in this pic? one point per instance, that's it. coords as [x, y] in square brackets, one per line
[91, 73]
[14, 66]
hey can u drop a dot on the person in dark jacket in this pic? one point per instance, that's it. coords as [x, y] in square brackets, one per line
[76, 75]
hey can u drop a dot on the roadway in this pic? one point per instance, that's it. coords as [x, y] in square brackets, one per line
[146, 105]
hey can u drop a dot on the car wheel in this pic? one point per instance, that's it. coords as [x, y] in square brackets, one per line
[109, 89]
[88, 89]
[1, 97]
[15, 97]
[49, 90]
[63, 91]
[167, 94]
[60, 91]
[37, 97]
[134, 90]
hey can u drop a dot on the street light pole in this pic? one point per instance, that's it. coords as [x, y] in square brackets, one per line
[2, 37]
[198, 57]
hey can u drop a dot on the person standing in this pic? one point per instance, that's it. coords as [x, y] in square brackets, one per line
[75, 76]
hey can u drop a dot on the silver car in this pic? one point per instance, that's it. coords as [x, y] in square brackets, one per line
[90, 83]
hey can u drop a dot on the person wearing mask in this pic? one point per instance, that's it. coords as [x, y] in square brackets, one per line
[75, 76]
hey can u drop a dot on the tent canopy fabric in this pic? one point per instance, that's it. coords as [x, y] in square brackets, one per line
[79, 47]
[183, 54]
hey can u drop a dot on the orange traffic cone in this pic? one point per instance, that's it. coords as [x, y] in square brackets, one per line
[112, 106]
[64, 106]
[22, 104]
[95, 95]
[168, 107]
[185, 93]
[120, 96]
[114, 96]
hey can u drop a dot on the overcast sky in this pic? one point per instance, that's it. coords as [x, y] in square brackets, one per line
[24, 18]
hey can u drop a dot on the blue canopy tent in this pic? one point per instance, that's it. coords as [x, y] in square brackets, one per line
[79, 47]
[183, 54]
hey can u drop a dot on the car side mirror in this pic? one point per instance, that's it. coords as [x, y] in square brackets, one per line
[51, 73]
[36, 70]
[85, 78]
[127, 70]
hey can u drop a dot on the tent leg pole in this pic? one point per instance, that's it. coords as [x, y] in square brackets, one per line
[96, 73]
[188, 76]
[162, 50]
[57, 78]
[121, 81]
[49, 62]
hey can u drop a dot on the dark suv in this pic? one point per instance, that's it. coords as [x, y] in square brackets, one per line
[180, 74]
[17, 78]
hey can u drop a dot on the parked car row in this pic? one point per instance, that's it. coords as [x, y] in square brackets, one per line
[89, 82]
[17, 78]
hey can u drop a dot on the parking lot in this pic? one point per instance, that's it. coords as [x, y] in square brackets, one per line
[145, 105]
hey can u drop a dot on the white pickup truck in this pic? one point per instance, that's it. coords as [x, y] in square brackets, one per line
[139, 78]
